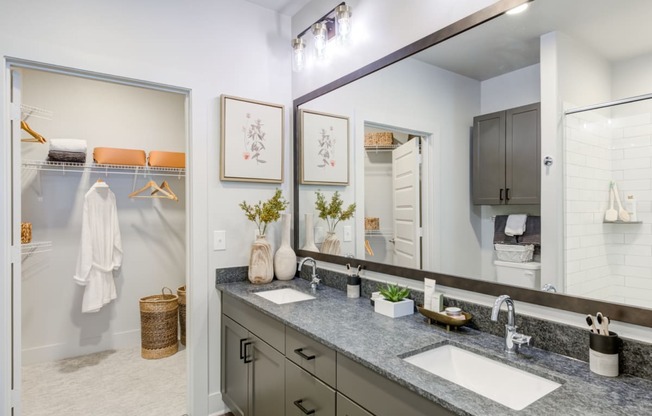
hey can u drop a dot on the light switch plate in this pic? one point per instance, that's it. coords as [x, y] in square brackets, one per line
[219, 240]
[347, 233]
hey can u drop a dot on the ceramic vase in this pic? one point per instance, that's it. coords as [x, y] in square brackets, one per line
[285, 259]
[331, 244]
[310, 235]
[261, 266]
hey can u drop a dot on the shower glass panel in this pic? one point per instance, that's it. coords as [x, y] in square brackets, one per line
[609, 259]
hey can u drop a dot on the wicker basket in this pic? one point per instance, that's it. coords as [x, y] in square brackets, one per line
[371, 223]
[383, 138]
[25, 232]
[158, 325]
[181, 292]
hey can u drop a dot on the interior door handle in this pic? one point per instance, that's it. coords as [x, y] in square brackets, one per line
[299, 352]
[247, 358]
[298, 403]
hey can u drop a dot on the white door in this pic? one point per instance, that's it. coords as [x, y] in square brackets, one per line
[407, 203]
[15, 242]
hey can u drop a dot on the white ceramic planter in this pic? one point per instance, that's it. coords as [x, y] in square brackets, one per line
[394, 309]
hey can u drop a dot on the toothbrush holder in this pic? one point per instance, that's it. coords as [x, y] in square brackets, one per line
[603, 354]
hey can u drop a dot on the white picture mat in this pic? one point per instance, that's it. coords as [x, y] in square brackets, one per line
[239, 160]
[315, 129]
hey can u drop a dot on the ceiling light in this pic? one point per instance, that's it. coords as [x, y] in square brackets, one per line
[518, 9]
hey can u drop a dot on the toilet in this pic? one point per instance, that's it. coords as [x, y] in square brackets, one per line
[527, 274]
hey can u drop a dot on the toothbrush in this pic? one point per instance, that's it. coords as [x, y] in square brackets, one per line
[605, 325]
[591, 322]
[601, 322]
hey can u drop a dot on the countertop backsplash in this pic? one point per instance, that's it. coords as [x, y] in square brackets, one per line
[635, 356]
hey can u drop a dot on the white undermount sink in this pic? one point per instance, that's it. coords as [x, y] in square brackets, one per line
[499, 382]
[285, 295]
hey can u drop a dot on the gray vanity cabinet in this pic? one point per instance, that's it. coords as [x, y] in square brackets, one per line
[252, 369]
[506, 153]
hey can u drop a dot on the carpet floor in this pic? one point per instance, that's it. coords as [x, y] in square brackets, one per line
[109, 383]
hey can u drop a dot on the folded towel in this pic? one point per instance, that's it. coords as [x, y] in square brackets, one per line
[499, 231]
[74, 157]
[68, 145]
[515, 224]
[532, 235]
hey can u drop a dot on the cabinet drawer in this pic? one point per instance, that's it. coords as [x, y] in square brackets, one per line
[268, 329]
[315, 358]
[380, 395]
[305, 393]
[346, 407]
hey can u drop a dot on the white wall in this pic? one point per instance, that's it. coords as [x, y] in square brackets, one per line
[153, 230]
[379, 28]
[184, 44]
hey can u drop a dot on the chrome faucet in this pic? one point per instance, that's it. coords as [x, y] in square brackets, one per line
[314, 282]
[513, 340]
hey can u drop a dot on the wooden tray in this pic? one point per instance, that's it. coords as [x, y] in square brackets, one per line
[444, 319]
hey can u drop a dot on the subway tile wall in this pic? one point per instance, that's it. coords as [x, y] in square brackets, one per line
[609, 261]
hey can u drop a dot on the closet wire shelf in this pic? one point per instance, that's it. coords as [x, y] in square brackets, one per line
[45, 165]
[35, 247]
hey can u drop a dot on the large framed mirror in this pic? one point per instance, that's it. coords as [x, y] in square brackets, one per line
[577, 74]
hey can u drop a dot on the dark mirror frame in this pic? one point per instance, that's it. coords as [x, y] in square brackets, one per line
[616, 312]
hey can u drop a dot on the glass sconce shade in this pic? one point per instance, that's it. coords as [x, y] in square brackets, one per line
[319, 32]
[298, 54]
[343, 18]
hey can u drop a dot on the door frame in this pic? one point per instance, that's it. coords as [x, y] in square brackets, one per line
[197, 371]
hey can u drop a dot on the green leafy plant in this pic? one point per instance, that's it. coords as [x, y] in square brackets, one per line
[394, 293]
[332, 212]
[265, 212]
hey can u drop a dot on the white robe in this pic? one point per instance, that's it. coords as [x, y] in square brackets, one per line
[101, 248]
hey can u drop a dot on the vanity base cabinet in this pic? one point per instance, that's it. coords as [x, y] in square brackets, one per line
[506, 157]
[379, 395]
[305, 394]
[346, 407]
[252, 370]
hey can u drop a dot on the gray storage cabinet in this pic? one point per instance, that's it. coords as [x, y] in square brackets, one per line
[506, 151]
[252, 369]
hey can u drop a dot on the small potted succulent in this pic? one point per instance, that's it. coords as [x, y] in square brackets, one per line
[332, 213]
[394, 302]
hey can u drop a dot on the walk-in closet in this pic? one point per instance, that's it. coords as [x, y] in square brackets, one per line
[76, 361]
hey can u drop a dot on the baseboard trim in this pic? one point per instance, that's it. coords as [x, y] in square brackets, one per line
[216, 406]
[53, 352]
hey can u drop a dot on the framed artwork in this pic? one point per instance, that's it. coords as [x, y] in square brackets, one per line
[251, 141]
[324, 148]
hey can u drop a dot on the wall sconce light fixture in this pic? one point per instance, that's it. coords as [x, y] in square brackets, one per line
[336, 24]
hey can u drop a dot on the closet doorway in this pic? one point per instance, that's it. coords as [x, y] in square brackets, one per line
[72, 362]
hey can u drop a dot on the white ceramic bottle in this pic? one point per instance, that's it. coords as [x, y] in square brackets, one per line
[630, 206]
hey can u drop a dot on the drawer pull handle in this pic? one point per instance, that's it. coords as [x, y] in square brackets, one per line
[247, 358]
[300, 353]
[305, 411]
[242, 354]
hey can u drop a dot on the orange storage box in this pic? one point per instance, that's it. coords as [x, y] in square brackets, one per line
[114, 156]
[163, 159]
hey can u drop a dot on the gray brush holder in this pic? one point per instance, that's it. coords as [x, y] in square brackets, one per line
[603, 354]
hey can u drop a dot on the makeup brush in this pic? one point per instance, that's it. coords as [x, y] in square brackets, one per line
[591, 322]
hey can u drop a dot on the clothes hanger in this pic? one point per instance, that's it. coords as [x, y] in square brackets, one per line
[166, 187]
[35, 136]
[151, 185]
[100, 183]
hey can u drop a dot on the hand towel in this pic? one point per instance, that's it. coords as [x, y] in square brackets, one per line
[60, 156]
[515, 224]
[68, 145]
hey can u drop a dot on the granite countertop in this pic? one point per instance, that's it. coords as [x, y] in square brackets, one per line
[351, 327]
